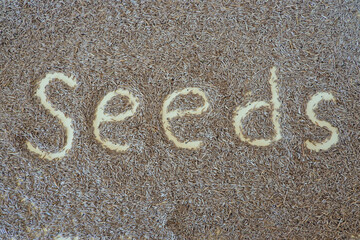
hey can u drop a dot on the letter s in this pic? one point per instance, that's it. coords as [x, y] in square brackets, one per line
[66, 122]
[334, 138]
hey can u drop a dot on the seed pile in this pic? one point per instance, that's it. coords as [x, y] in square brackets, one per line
[227, 189]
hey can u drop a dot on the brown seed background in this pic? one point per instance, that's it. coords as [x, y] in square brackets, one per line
[228, 189]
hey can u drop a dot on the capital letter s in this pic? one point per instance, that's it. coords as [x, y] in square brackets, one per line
[66, 122]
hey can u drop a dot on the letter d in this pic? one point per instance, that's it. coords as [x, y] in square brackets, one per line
[241, 112]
